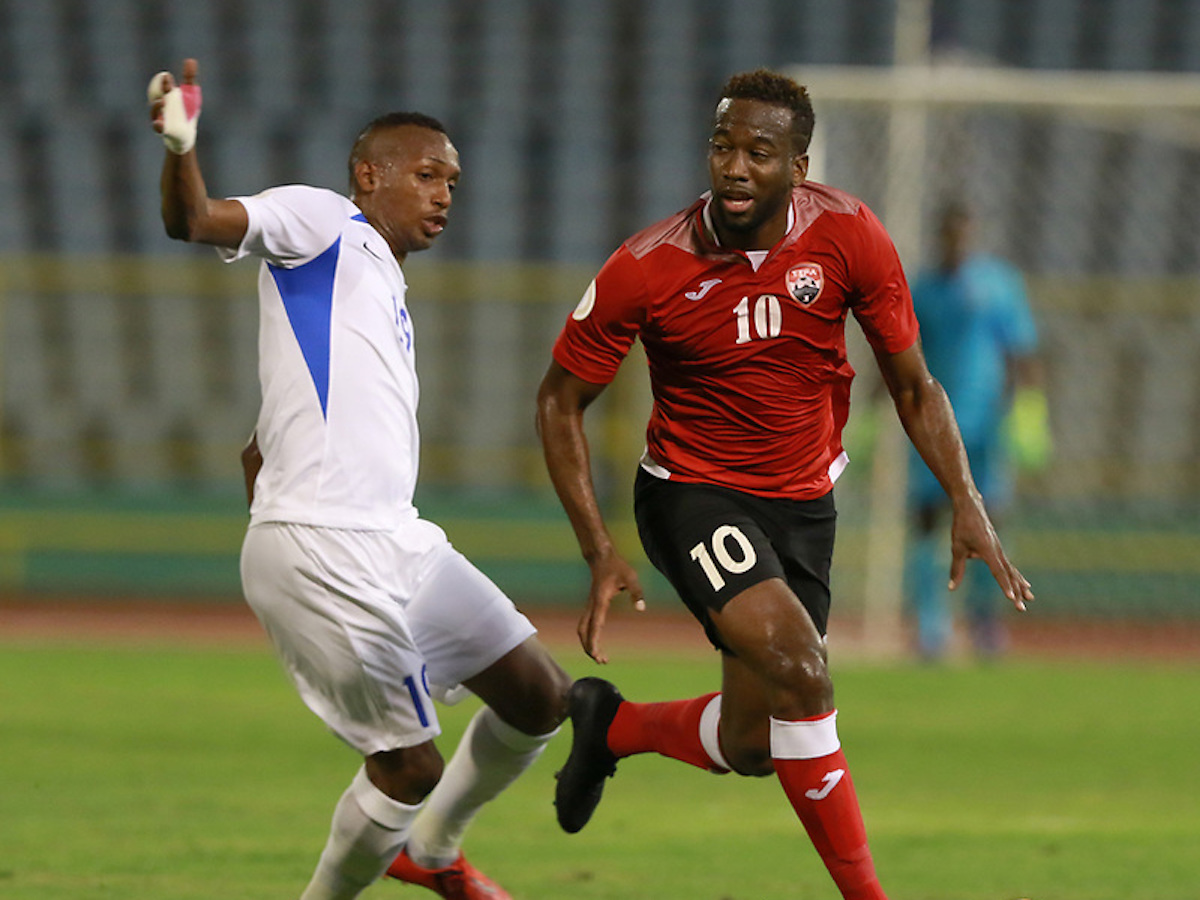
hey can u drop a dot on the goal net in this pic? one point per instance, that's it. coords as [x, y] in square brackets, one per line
[1090, 183]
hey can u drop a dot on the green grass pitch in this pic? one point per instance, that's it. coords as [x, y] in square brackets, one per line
[153, 773]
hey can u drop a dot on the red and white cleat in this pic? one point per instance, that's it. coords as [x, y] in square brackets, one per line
[458, 881]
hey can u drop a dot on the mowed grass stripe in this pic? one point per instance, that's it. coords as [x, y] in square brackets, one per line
[157, 773]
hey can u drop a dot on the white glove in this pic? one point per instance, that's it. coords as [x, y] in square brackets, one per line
[180, 113]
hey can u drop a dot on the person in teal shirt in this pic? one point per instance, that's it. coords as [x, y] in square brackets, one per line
[979, 338]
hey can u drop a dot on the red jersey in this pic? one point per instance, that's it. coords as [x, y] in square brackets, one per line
[748, 365]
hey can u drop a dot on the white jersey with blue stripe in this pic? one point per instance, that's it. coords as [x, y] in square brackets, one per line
[338, 422]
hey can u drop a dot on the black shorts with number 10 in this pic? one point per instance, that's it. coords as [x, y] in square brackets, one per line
[712, 543]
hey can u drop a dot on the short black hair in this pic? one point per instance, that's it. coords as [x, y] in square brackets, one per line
[384, 123]
[778, 90]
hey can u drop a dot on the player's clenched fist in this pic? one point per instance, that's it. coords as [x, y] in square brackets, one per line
[175, 109]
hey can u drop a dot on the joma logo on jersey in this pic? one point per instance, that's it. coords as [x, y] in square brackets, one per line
[705, 286]
[804, 282]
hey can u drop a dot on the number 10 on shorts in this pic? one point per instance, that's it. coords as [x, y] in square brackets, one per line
[731, 551]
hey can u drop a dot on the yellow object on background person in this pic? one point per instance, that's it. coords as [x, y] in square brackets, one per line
[1027, 430]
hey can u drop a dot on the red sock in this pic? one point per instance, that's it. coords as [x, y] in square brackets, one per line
[812, 769]
[669, 729]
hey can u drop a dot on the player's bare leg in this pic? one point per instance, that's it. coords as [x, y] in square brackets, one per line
[777, 712]
[525, 692]
[371, 821]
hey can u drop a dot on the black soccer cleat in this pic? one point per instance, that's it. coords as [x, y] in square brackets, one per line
[593, 705]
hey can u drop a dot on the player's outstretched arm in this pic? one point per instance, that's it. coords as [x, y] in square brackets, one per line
[188, 213]
[928, 419]
[561, 402]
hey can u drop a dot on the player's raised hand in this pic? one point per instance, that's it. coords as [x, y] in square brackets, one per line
[175, 108]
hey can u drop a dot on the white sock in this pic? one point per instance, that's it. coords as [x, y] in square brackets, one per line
[369, 828]
[488, 759]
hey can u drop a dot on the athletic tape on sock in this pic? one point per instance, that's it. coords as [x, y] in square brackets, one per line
[513, 738]
[710, 722]
[805, 739]
[378, 806]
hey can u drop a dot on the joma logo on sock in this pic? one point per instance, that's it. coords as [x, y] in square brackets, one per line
[830, 780]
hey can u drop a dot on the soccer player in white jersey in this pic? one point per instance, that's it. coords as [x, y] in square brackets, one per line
[370, 609]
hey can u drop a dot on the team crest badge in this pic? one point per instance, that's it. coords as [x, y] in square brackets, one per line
[804, 282]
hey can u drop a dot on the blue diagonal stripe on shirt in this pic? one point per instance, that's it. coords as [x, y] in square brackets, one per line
[307, 294]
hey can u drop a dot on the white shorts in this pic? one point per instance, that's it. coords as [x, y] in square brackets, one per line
[365, 621]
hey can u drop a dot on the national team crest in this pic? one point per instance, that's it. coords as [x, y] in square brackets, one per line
[804, 282]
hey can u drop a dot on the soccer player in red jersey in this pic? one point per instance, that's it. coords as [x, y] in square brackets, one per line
[740, 302]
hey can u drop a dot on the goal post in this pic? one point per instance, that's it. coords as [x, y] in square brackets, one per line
[907, 138]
